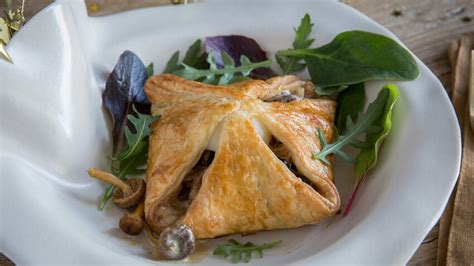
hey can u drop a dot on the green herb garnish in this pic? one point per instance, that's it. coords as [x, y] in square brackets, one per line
[132, 159]
[365, 124]
[193, 57]
[136, 141]
[150, 70]
[292, 64]
[376, 123]
[173, 63]
[354, 57]
[224, 75]
[241, 252]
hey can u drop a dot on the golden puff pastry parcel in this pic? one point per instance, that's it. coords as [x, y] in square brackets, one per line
[237, 158]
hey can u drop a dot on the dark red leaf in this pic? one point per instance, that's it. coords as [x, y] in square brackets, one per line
[236, 46]
[123, 89]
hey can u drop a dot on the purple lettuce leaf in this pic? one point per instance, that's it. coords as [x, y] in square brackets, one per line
[123, 89]
[236, 46]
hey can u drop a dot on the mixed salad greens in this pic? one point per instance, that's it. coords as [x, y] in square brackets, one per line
[338, 69]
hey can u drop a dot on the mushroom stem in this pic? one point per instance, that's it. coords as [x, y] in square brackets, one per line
[132, 223]
[139, 211]
[111, 179]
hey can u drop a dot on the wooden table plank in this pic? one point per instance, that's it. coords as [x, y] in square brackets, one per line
[425, 26]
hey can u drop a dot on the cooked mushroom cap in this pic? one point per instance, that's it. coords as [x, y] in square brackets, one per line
[176, 242]
[126, 201]
[131, 224]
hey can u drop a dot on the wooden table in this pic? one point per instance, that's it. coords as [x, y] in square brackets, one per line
[425, 26]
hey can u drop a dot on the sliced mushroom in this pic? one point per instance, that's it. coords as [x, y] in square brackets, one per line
[284, 96]
[176, 242]
[132, 223]
[130, 192]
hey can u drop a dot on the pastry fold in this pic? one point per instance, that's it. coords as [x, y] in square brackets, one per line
[246, 188]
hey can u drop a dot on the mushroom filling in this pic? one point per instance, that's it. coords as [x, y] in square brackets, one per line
[282, 152]
[284, 96]
[175, 208]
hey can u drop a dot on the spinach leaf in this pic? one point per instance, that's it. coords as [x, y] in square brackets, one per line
[237, 46]
[292, 64]
[350, 103]
[124, 87]
[354, 57]
[330, 90]
[367, 158]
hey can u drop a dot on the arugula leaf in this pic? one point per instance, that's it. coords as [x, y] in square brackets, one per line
[149, 70]
[193, 57]
[350, 103]
[291, 64]
[136, 141]
[364, 124]
[173, 63]
[241, 252]
[224, 75]
[130, 160]
[354, 57]
[367, 158]
[236, 46]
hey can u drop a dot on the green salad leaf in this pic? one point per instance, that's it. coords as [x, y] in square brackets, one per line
[150, 70]
[221, 76]
[365, 124]
[350, 103]
[136, 141]
[131, 159]
[367, 158]
[194, 57]
[356, 56]
[292, 64]
[173, 63]
[330, 90]
[375, 123]
[242, 252]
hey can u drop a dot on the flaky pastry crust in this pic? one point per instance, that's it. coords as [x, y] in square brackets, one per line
[246, 188]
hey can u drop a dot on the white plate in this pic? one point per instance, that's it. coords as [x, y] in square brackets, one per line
[53, 128]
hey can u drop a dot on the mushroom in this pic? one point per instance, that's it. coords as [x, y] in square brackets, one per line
[284, 96]
[176, 242]
[132, 223]
[130, 191]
